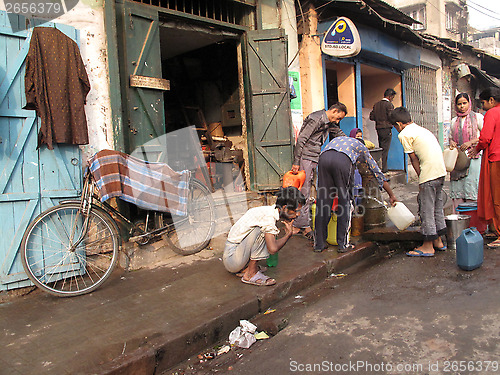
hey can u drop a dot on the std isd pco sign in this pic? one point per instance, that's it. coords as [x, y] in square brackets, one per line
[341, 39]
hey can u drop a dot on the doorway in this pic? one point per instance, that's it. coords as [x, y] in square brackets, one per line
[374, 81]
[201, 65]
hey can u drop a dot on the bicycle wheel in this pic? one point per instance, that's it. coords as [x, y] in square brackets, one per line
[191, 233]
[64, 259]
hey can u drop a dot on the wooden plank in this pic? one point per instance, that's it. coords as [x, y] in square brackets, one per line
[271, 132]
[14, 68]
[12, 249]
[14, 153]
[149, 82]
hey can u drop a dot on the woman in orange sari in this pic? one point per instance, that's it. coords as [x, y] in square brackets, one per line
[488, 204]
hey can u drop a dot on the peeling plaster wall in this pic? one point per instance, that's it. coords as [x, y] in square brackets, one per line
[88, 17]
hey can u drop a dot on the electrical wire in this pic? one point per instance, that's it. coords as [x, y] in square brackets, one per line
[321, 6]
[486, 14]
[481, 6]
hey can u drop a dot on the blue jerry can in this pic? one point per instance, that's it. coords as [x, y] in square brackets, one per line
[470, 249]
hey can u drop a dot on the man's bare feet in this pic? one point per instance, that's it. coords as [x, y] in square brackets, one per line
[438, 244]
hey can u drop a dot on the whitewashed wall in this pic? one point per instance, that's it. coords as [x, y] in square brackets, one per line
[88, 17]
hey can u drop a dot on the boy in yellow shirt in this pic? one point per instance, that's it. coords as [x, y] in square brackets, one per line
[426, 156]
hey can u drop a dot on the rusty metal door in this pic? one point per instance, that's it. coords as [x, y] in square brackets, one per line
[270, 136]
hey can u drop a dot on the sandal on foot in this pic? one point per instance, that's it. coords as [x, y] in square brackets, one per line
[309, 235]
[440, 248]
[346, 249]
[261, 269]
[418, 253]
[494, 244]
[259, 279]
[320, 250]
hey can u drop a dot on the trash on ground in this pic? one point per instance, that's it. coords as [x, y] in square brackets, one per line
[269, 311]
[210, 355]
[261, 336]
[298, 297]
[242, 336]
[338, 275]
[225, 349]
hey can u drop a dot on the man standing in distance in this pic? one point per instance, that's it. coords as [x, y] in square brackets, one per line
[313, 133]
[380, 115]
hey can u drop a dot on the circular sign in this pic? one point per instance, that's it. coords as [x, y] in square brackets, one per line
[341, 39]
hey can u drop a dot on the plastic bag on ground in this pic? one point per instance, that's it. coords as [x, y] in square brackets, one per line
[242, 336]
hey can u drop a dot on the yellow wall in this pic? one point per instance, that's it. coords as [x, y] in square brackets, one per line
[346, 81]
[373, 87]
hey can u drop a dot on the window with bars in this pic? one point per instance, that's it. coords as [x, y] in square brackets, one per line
[228, 11]
[421, 97]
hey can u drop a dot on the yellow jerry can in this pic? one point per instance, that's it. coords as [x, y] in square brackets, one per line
[332, 227]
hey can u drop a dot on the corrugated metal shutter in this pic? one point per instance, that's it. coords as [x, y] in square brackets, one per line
[421, 97]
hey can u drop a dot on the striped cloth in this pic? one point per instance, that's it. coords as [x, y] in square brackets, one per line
[150, 186]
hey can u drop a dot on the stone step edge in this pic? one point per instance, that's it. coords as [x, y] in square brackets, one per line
[162, 353]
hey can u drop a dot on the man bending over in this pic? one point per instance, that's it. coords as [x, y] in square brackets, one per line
[253, 236]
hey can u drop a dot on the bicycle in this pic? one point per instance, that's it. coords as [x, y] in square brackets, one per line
[72, 248]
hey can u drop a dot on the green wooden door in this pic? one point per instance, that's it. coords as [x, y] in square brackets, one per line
[139, 53]
[270, 137]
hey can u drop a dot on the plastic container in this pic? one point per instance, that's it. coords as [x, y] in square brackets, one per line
[470, 208]
[332, 227]
[272, 261]
[294, 179]
[450, 158]
[332, 230]
[470, 249]
[400, 216]
[455, 224]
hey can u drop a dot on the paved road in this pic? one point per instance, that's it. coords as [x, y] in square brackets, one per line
[400, 316]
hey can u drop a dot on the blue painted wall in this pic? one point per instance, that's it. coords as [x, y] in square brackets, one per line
[347, 124]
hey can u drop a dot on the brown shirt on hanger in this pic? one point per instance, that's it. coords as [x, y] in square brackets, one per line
[56, 85]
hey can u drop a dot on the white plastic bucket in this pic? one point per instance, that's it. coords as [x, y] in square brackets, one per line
[400, 216]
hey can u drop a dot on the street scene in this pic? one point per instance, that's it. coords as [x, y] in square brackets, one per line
[246, 186]
[396, 317]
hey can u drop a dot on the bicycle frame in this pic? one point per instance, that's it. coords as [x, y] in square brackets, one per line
[90, 198]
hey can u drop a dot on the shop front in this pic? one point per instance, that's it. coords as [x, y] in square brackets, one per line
[201, 89]
[360, 81]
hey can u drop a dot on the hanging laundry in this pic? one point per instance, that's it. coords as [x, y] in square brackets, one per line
[56, 86]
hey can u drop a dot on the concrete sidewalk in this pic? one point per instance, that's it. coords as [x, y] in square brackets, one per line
[149, 320]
